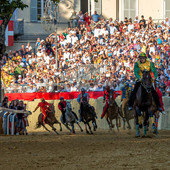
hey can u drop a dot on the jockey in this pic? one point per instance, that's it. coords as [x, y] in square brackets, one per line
[43, 108]
[106, 97]
[124, 95]
[83, 97]
[62, 108]
[141, 65]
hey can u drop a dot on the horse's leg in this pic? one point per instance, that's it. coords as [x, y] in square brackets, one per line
[73, 131]
[109, 123]
[150, 114]
[53, 128]
[89, 128]
[117, 124]
[137, 123]
[129, 127]
[57, 122]
[66, 125]
[45, 127]
[94, 124]
[79, 126]
[146, 117]
[86, 129]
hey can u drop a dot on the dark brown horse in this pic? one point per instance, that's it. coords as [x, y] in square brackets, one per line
[50, 119]
[112, 113]
[88, 114]
[144, 102]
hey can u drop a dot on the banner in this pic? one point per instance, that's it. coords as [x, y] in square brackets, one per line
[55, 96]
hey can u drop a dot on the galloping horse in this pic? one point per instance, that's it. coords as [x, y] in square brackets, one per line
[129, 114]
[70, 118]
[144, 103]
[87, 116]
[50, 119]
[112, 113]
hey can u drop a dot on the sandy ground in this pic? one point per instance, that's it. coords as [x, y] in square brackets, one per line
[103, 150]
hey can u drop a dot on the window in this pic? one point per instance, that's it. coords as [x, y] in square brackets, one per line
[167, 8]
[130, 8]
[37, 7]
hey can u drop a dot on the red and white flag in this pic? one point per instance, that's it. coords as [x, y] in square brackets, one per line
[9, 33]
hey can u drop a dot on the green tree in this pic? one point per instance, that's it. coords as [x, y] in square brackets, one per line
[7, 7]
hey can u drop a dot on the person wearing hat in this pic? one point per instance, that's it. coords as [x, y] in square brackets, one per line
[125, 91]
[62, 108]
[141, 65]
[43, 108]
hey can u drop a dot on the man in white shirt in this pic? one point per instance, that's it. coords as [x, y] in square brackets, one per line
[74, 39]
[130, 26]
[112, 29]
[73, 87]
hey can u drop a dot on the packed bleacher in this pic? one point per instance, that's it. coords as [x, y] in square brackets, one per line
[95, 53]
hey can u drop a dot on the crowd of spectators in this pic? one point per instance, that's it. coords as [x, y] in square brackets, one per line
[95, 53]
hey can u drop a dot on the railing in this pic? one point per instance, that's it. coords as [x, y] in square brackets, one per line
[9, 115]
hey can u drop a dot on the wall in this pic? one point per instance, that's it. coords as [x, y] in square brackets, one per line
[153, 8]
[25, 14]
[109, 9]
[98, 104]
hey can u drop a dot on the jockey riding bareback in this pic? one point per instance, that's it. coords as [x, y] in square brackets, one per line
[125, 91]
[43, 108]
[62, 107]
[83, 97]
[106, 98]
[144, 64]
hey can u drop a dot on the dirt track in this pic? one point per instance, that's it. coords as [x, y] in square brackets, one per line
[104, 150]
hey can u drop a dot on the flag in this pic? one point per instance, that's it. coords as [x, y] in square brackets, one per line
[9, 33]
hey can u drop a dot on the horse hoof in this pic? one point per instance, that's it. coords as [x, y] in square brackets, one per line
[60, 130]
[113, 126]
[81, 130]
[91, 133]
[87, 132]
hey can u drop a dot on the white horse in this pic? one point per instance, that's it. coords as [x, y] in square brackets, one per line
[71, 118]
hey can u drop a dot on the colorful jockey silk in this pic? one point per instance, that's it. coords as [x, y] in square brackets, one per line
[83, 98]
[107, 94]
[139, 67]
[125, 92]
[106, 98]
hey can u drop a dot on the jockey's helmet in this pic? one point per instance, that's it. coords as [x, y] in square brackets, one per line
[61, 98]
[83, 90]
[126, 84]
[142, 55]
[42, 99]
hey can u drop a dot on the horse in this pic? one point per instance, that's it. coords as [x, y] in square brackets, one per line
[144, 103]
[88, 114]
[112, 113]
[50, 119]
[129, 114]
[71, 118]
